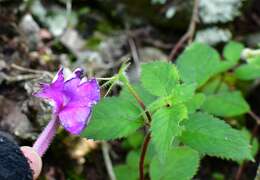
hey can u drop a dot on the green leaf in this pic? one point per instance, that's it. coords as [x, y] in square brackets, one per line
[182, 93]
[226, 104]
[195, 102]
[215, 85]
[165, 127]
[135, 140]
[212, 136]
[252, 140]
[130, 169]
[123, 172]
[232, 51]
[198, 63]
[159, 78]
[182, 163]
[113, 117]
[146, 97]
[249, 71]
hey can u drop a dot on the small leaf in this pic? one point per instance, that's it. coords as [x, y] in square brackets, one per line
[215, 85]
[226, 104]
[135, 140]
[232, 51]
[195, 102]
[166, 126]
[198, 63]
[123, 172]
[130, 169]
[212, 136]
[182, 93]
[182, 163]
[113, 117]
[159, 78]
[249, 71]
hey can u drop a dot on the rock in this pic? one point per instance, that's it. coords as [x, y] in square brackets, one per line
[13, 120]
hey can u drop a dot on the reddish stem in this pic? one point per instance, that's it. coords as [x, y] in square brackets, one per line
[143, 153]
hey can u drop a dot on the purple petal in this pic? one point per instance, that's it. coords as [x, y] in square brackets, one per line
[89, 91]
[59, 77]
[74, 119]
[53, 92]
[81, 95]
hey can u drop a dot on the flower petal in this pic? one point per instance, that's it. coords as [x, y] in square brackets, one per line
[74, 119]
[89, 91]
[53, 92]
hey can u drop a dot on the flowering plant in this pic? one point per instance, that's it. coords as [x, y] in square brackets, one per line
[72, 100]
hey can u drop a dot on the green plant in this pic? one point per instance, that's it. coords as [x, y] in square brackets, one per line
[181, 106]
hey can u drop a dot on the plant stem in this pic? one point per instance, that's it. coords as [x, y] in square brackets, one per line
[139, 100]
[149, 118]
[143, 153]
[44, 140]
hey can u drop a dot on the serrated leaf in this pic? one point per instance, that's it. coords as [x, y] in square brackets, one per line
[181, 163]
[212, 136]
[195, 102]
[249, 71]
[180, 94]
[232, 51]
[113, 117]
[226, 104]
[159, 78]
[198, 63]
[165, 127]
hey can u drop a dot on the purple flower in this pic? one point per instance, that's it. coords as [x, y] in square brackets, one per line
[72, 99]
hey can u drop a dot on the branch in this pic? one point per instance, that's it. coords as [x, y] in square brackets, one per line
[188, 36]
[255, 117]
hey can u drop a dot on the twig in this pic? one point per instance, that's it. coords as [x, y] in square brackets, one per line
[108, 163]
[24, 69]
[143, 153]
[255, 117]
[188, 36]
[133, 50]
[19, 77]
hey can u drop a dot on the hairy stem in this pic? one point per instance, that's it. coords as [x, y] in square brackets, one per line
[45, 138]
[143, 153]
